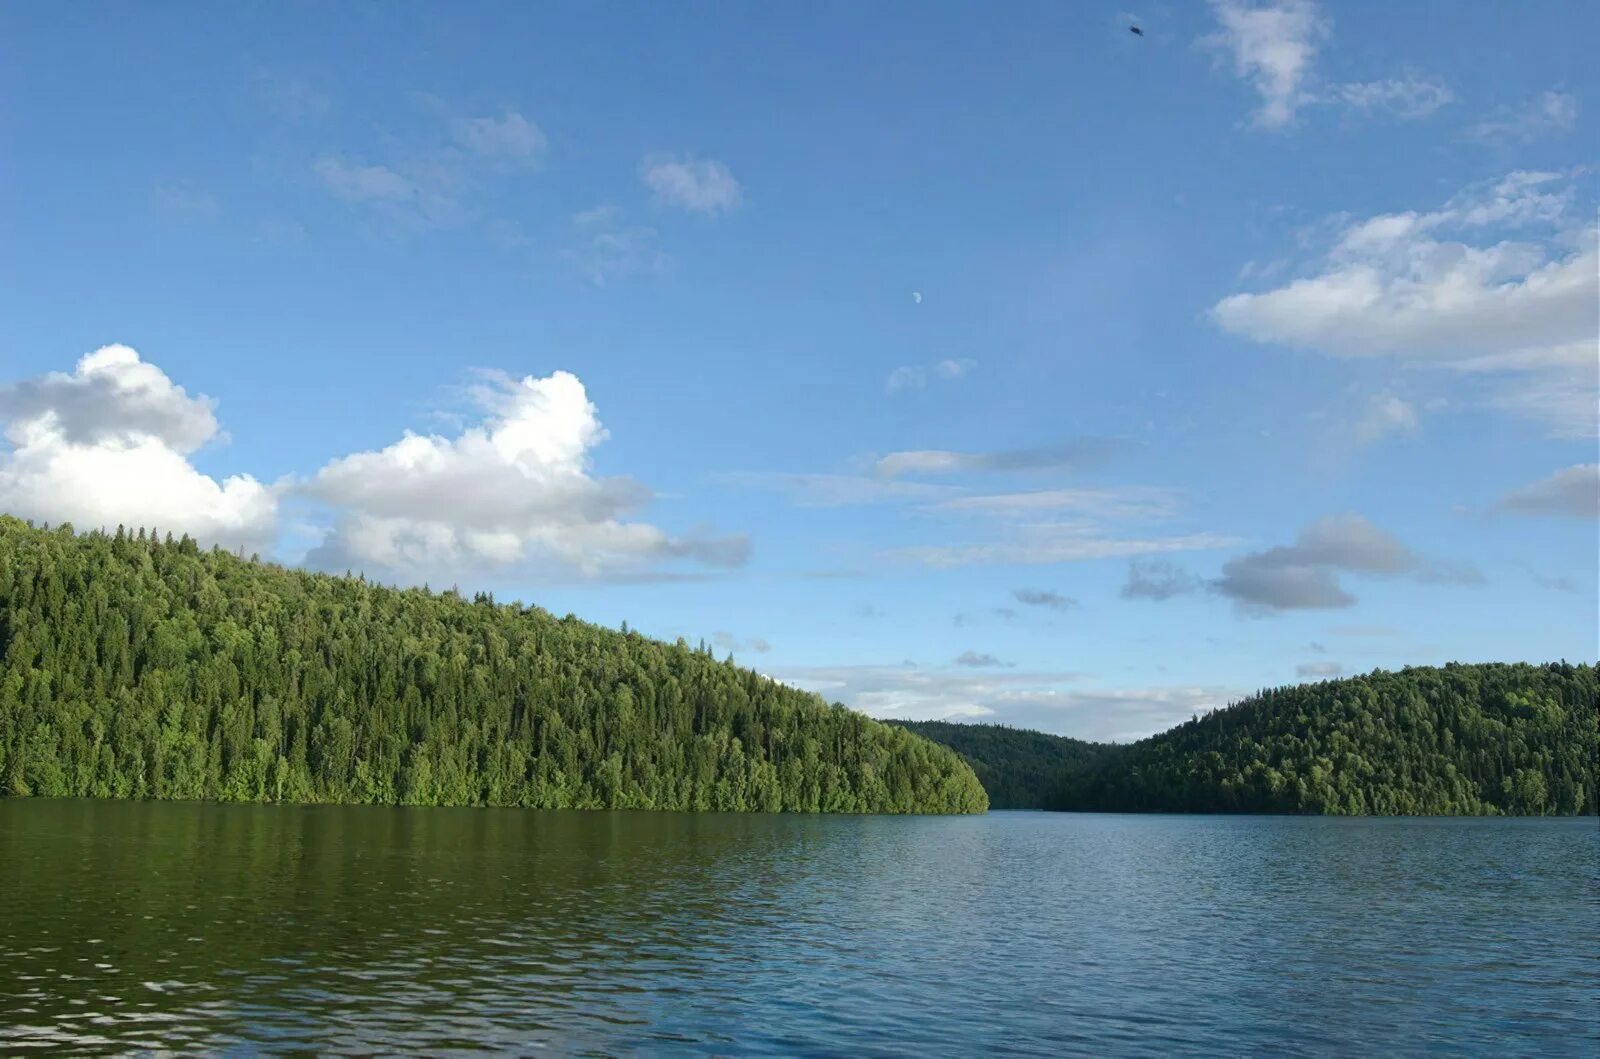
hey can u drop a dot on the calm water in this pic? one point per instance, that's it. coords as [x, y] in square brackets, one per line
[197, 927]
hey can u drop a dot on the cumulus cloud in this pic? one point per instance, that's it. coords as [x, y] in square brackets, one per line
[1451, 288]
[1070, 455]
[917, 376]
[1272, 46]
[108, 444]
[1157, 579]
[1047, 701]
[1306, 575]
[512, 493]
[1550, 114]
[1574, 491]
[1319, 670]
[1043, 597]
[699, 185]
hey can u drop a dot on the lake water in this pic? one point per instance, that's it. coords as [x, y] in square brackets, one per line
[128, 926]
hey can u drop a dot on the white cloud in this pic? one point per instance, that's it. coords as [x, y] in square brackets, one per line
[1122, 502]
[445, 181]
[1386, 414]
[1552, 113]
[508, 136]
[1055, 542]
[917, 376]
[512, 493]
[182, 198]
[1574, 491]
[109, 443]
[1412, 287]
[355, 182]
[607, 248]
[1069, 455]
[1273, 46]
[1047, 701]
[836, 490]
[290, 98]
[1404, 97]
[699, 185]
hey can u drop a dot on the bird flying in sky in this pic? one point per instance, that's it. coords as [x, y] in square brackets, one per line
[1136, 31]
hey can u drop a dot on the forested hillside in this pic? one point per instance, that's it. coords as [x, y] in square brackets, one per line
[1461, 739]
[1018, 768]
[138, 667]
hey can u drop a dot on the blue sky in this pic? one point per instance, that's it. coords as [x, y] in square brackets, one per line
[947, 359]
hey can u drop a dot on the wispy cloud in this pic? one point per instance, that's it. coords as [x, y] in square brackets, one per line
[917, 376]
[727, 641]
[836, 490]
[1550, 114]
[442, 182]
[1272, 46]
[183, 199]
[1386, 414]
[1048, 701]
[1573, 491]
[1409, 97]
[699, 185]
[1122, 502]
[976, 660]
[606, 247]
[1043, 597]
[1158, 579]
[291, 98]
[1068, 455]
[1049, 543]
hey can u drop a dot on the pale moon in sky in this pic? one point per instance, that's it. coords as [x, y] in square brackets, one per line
[916, 296]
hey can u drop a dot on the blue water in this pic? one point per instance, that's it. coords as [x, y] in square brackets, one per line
[246, 928]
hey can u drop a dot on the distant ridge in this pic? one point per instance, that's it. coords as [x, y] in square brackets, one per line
[1477, 740]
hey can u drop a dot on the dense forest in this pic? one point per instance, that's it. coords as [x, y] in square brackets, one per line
[1454, 740]
[136, 666]
[1019, 768]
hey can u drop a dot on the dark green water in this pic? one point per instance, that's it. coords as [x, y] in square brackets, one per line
[244, 928]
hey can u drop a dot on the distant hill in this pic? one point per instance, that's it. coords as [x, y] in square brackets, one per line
[1455, 740]
[1019, 768]
[138, 667]
[1486, 739]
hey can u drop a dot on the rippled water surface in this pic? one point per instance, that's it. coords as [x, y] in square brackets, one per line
[245, 928]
